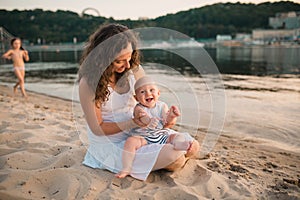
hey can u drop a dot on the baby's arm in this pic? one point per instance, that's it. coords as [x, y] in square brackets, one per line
[170, 116]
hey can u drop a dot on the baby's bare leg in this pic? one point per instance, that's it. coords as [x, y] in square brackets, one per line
[130, 147]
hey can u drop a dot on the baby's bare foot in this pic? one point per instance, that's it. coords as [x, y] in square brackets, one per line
[122, 174]
[193, 151]
[183, 146]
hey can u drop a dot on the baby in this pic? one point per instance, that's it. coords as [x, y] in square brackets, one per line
[157, 119]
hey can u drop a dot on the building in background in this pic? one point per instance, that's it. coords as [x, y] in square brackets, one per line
[286, 28]
[289, 20]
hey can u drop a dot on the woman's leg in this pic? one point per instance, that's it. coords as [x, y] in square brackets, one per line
[169, 158]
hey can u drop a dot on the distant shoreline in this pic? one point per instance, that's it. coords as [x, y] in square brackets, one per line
[164, 45]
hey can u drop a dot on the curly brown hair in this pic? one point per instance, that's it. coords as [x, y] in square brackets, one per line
[101, 50]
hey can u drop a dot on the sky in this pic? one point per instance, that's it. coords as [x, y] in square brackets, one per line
[119, 9]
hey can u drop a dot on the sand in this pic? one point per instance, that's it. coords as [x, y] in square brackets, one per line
[42, 152]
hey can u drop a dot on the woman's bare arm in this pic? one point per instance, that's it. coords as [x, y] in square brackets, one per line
[93, 114]
[139, 72]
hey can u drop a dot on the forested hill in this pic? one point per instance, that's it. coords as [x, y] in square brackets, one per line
[225, 18]
[203, 22]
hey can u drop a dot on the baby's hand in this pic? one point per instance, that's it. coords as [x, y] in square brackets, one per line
[171, 117]
[174, 111]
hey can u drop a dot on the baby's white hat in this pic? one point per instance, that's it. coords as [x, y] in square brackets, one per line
[145, 80]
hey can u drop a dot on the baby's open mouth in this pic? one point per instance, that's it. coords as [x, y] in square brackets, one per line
[149, 99]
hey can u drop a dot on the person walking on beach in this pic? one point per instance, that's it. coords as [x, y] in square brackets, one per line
[17, 54]
[108, 70]
[147, 95]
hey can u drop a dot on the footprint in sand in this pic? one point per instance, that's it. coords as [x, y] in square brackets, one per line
[192, 174]
[58, 150]
[162, 178]
[200, 181]
[4, 125]
[174, 193]
[26, 161]
[22, 126]
[10, 138]
[126, 183]
[36, 126]
[64, 156]
[56, 184]
[65, 126]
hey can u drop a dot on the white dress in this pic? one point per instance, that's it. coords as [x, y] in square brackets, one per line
[105, 152]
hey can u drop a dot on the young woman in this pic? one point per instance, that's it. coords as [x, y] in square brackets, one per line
[109, 67]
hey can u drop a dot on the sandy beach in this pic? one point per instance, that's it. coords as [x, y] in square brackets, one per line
[42, 153]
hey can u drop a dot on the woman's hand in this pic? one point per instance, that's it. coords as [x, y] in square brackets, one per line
[140, 119]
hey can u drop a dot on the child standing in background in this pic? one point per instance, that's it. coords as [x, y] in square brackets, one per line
[17, 54]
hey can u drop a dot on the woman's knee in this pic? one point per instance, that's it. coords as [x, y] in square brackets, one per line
[174, 157]
[177, 164]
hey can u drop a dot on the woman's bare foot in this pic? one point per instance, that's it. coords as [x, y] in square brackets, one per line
[122, 174]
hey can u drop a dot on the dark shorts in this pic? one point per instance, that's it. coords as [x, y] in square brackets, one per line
[160, 137]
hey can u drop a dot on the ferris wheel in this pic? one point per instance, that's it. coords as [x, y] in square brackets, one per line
[90, 11]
